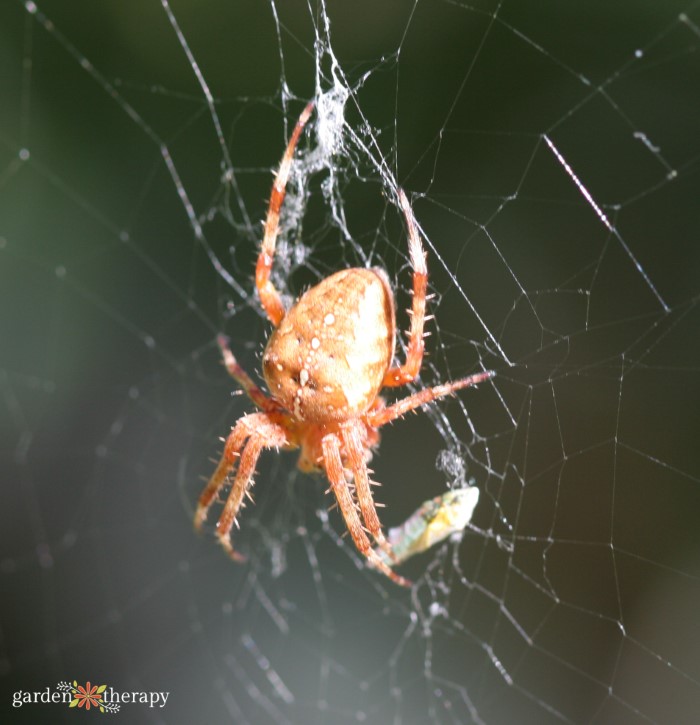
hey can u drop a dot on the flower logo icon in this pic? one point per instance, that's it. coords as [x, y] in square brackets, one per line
[87, 696]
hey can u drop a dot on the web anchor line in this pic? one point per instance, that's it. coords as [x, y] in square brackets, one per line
[602, 216]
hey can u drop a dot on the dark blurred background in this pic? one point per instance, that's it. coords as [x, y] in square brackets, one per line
[575, 596]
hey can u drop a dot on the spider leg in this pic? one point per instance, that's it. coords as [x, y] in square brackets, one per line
[260, 432]
[269, 297]
[334, 470]
[381, 416]
[242, 377]
[403, 374]
[244, 476]
[356, 460]
[233, 445]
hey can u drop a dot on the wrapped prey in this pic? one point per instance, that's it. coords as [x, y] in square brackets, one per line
[431, 523]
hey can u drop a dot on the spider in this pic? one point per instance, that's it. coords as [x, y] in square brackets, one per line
[325, 363]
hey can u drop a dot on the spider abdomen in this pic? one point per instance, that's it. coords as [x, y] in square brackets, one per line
[327, 359]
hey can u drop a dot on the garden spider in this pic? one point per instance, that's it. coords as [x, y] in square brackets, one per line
[325, 363]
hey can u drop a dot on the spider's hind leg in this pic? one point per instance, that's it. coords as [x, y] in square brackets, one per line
[407, 372]
[269, 296]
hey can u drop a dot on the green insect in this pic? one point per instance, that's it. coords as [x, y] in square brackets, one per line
[433, 522]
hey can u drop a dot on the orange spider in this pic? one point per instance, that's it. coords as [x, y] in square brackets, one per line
[325, 364]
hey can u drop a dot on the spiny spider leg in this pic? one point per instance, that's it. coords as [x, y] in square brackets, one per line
[407, 372]
[260, 432]
[269, 296]
[381, 416]
[334, 470]
[242, 377]
[356, 461]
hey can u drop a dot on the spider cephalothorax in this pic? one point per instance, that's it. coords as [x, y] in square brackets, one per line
[325, 364]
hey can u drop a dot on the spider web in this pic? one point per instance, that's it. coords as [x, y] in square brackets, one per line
[551, 157]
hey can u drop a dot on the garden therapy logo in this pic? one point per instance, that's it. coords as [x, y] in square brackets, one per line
[88, 696]
[103, 698]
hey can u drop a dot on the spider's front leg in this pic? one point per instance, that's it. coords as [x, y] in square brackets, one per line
[260, 431]
[355, 454]
[334, 470]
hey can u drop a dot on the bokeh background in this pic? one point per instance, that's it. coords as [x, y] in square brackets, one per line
[574, 597]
